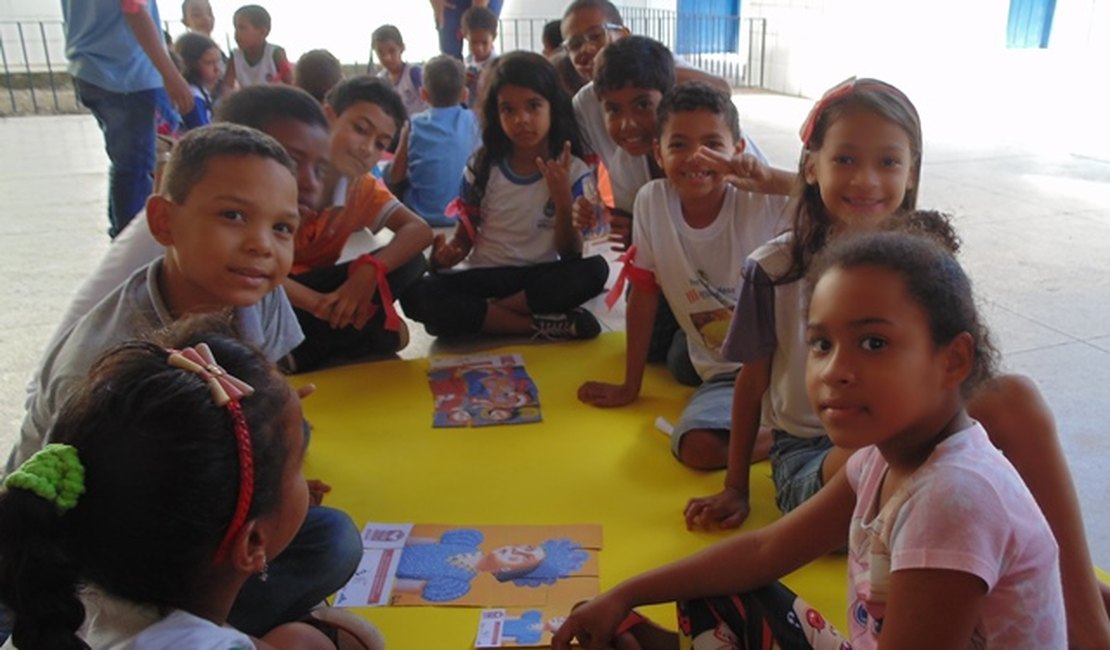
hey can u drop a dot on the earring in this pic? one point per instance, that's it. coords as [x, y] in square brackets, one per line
[264, 575]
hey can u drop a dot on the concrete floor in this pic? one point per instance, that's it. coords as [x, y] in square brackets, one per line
[1035, 225]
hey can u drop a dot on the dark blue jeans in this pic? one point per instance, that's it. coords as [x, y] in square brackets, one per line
[450, 32]
[320, 559]
[127, 121]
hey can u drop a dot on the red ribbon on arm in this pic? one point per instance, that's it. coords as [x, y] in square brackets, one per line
[465, 213]
[392, 320]
[640, 278]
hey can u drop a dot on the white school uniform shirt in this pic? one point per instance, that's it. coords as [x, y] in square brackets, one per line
[517, 217]
[264, 72]
[696, 267]
[407, 88]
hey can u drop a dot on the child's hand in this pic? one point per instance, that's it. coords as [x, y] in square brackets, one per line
[745, 171]
[726, 509]
[446, 254]
[316, 491]
[557, 174]
[355, 299]
[583, 214]
[593, 623]
[596, 393]
[620, 229]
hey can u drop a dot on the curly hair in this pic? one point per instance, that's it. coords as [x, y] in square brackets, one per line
[933, 278]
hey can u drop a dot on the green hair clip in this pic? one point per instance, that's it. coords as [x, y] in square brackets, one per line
[54, 473]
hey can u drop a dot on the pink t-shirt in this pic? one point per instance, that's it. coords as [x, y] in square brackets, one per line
[966, 509]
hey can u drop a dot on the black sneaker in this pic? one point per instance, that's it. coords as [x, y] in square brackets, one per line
[577, 323]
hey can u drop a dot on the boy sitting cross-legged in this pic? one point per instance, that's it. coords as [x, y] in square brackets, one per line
[346, 309]
[691, 231]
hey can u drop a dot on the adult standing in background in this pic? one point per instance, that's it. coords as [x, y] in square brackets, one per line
[118, 59]
[448, 14]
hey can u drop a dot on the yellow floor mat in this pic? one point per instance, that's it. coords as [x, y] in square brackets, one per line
[374, 443]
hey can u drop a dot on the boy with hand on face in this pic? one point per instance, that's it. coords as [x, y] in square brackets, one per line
[692, 230]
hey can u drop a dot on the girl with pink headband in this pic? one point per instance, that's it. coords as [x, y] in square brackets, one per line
[173, 476]
[860, 167]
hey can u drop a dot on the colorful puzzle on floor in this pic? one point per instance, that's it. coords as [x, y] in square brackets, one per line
[519, 628]
[483, 566]
[482, 390]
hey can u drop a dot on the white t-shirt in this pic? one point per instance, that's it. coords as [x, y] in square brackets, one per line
[770, 321]
[627, 173]
[696, 267]
[966, 509]
[517, 222]
[263, 72]
[408, 89]
[116, 624]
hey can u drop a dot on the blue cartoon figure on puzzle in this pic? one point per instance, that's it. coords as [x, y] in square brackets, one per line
[444, 570]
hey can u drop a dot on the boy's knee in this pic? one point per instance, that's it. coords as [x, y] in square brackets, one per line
[704, 449]
[1010, 406]
[333, 534]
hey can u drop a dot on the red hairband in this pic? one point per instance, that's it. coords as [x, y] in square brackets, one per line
[227, 390]
[839, 91]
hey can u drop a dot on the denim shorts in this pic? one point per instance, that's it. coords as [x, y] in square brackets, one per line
[710, 407]
[796, 467]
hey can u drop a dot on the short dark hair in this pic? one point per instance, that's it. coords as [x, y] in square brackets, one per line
[478, 18]
[189, 160]
[256, 14]
[367, 88]
[386, 34]
[612, 14]
[636, 61]
[161, 465]
[258, 106]
[316, 72]
[552, 34]
[444, 79]
[933, 278]
[696, 96]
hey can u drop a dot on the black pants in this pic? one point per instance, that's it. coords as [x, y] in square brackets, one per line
[456, 303]
[322, 343]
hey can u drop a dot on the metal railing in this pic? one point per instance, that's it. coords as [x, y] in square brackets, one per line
[34, 80]
[32, 56]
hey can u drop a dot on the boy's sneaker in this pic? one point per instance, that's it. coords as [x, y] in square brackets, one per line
[577, 323]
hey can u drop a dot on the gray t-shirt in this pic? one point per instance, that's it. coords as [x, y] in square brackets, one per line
[134, 310]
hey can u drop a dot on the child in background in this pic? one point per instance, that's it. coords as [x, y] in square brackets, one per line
[210, 470]
[256, 61]
[226, 219]
[200, 59]
[317, 72]
[522, 266]
[552, 38]
[435, 145]
[947, 547]
[479, 29]
[553, 51]
[197, 17]
[860, 165]
[346, 310]
[406, 79]
[691, 231]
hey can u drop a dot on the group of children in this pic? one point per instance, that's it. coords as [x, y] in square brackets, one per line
[823, 318]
